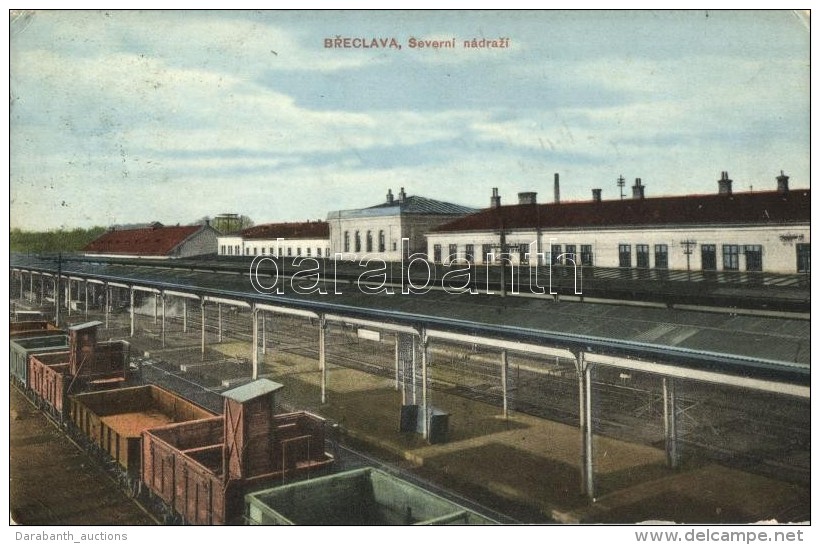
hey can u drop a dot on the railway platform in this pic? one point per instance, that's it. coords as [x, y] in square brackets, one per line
[529, 467]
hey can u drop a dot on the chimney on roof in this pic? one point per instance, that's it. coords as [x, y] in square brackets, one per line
[724, 184]
[389, 196]
[402, 195]
[557, 190]
[783, 184]
[596, 195]
[495, 200]
[527, 197]
[637, 189]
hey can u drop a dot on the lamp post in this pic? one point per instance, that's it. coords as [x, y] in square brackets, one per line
[688, 248]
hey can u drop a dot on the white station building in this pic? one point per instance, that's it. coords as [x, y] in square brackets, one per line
[767, 231]
[377, 231]
[298, 239]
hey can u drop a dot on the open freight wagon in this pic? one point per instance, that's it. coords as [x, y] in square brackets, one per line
[86, 365]
[203, 468]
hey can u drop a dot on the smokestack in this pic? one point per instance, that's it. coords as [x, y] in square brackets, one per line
[402, 195]
[596, 195]
[783, 184]
[527, 197]
[557, 190]
[389, 196]
[637, 189]
[724, 184]
[495, 200]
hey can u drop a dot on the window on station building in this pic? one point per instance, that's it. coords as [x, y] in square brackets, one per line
[754, 257]
[487, 252]
[369, 241]
[381, 241]
[452, 252]
[263, 250]
[469, 253]
[624, 255]
[586, 255]
[571, 254]
[555, 251]
[357, 242]
[347, 241]
[280, 252]
[222, 249]
[661, 256]
[437, 253]
[270, 250]
[523, 254]
[299, 251]
[247, 251]
[731, 257]
[642, 255]
[803, 257]
[290, 252]
[230, 250]
[708, 257]
[394, 246]
[307, 251]
[254, 250]
[236, 250]
[318, 252]
[327, 252]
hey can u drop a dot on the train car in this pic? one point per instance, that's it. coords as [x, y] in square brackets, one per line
[35, 328]
[21, 348]
[27, 316]
[113, 421]
[202, 469]
[87, 364]
[361, 497]
[48, 381]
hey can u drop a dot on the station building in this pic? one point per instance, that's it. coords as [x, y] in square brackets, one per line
[297, 239]
[155, 241]
[767, 231]
[377, 231]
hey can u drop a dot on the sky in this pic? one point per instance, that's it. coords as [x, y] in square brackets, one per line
[121, 117]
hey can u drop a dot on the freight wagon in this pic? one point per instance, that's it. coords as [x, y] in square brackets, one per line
[360, 497]
[21, 348]
[202, 469]
[38, 328]
[112, 421]
[86, 364]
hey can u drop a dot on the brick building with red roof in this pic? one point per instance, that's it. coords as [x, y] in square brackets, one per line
[156, 241]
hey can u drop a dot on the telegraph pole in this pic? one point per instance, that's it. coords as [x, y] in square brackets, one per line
[57, 287]
[502, 248]
[688, 248]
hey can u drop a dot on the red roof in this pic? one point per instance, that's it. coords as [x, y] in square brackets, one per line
[158, 241]
[745, 208]
[308, 229]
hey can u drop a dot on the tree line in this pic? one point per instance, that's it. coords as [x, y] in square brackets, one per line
[61, 240]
